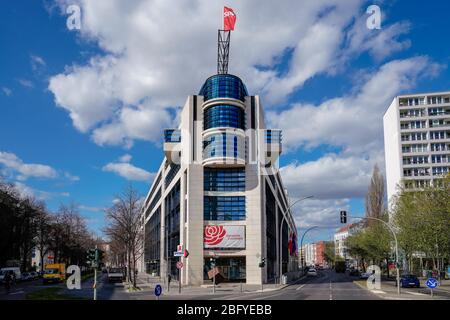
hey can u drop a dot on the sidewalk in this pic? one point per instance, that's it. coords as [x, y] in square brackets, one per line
[147, 282]
[389, 291]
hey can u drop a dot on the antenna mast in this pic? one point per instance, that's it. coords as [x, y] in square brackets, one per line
[223, 51]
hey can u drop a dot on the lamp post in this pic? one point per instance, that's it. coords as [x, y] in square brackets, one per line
[301, 247]
[280, 237]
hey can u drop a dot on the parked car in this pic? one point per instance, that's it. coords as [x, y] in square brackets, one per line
[365, 275]
[115, 274]
[34, 275]
[15, 272]
[354, 273]
[312, 272]
[409, 280]
[26, 276]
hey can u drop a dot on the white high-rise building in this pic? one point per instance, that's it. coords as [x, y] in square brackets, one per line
[417, 140]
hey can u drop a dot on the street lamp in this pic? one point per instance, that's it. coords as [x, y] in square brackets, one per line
[396, 248]
[301, 247]
[280, 237]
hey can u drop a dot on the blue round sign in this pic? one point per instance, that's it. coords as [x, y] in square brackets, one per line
[158, 290]
[432, 283]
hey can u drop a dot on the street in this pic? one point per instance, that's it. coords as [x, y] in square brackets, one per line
[327, 285]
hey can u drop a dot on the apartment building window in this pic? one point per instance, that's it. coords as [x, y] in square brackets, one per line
[420, 172]
[418, 124]
[440, 159]
[415, 160]
[435, 100]
[439, 171]
[415, 148]
[218, 179]
[418, 136]
[223, 208]
[435, 111]
[436, 147]
[437, 135]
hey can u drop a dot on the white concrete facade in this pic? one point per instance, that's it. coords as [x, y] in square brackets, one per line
[417, 141]
[188, 158]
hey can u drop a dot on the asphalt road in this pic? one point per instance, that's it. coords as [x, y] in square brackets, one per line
[328, 285]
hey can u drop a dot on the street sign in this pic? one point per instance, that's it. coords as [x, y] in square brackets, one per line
[158, 290]
[178, 254]
[179, 264]
[186, 253]
[432, 283]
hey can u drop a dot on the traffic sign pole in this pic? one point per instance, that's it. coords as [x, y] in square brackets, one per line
[179, 277]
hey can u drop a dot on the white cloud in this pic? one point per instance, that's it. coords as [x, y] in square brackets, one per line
[26, 191]
[321, 213]
[37, 63]
[91, 209]
[128, 171]
[12, 162]
[7, 91]
[26, 83]
[125, 158]
[150, 63]
[330, 177]
[71, 177]
[352, 121]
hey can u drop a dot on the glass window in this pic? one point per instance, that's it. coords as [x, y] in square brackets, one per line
[224, 116]
[223, 208]
[219, 179]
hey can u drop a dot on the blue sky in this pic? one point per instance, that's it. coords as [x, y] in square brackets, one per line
[82, 110]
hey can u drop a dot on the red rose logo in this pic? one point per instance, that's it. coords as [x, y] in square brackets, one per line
[214, 234]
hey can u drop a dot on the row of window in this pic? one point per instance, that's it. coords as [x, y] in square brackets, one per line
[218, 179]
[421, 101]
[224, 116]
[223, 208]
[415, 160]
[422, 112]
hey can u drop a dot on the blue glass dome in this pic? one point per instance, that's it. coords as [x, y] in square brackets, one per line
[223, 86]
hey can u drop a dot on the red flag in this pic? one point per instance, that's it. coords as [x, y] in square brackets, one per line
[229, 19]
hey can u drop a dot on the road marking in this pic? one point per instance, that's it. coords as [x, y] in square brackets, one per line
[300, 287]
[331, 292]
[416, 293]
[378, 291]
[17, 292]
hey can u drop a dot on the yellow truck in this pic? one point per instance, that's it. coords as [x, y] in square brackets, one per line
[54, 272]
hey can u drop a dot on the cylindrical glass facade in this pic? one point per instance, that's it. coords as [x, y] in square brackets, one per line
[223, 86]
[224, 116]
[224, 145]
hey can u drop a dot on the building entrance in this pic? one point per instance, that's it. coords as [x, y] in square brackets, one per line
[231, 268]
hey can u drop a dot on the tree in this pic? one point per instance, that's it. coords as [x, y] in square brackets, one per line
[375, 204]
[422, 218]
[329, 254]
[125, 227]
[43, 232]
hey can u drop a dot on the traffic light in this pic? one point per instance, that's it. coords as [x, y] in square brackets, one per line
[262, 264]
[344, 217]
[90, 256]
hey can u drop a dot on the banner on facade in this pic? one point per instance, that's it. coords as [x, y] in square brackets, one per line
[224, 237]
